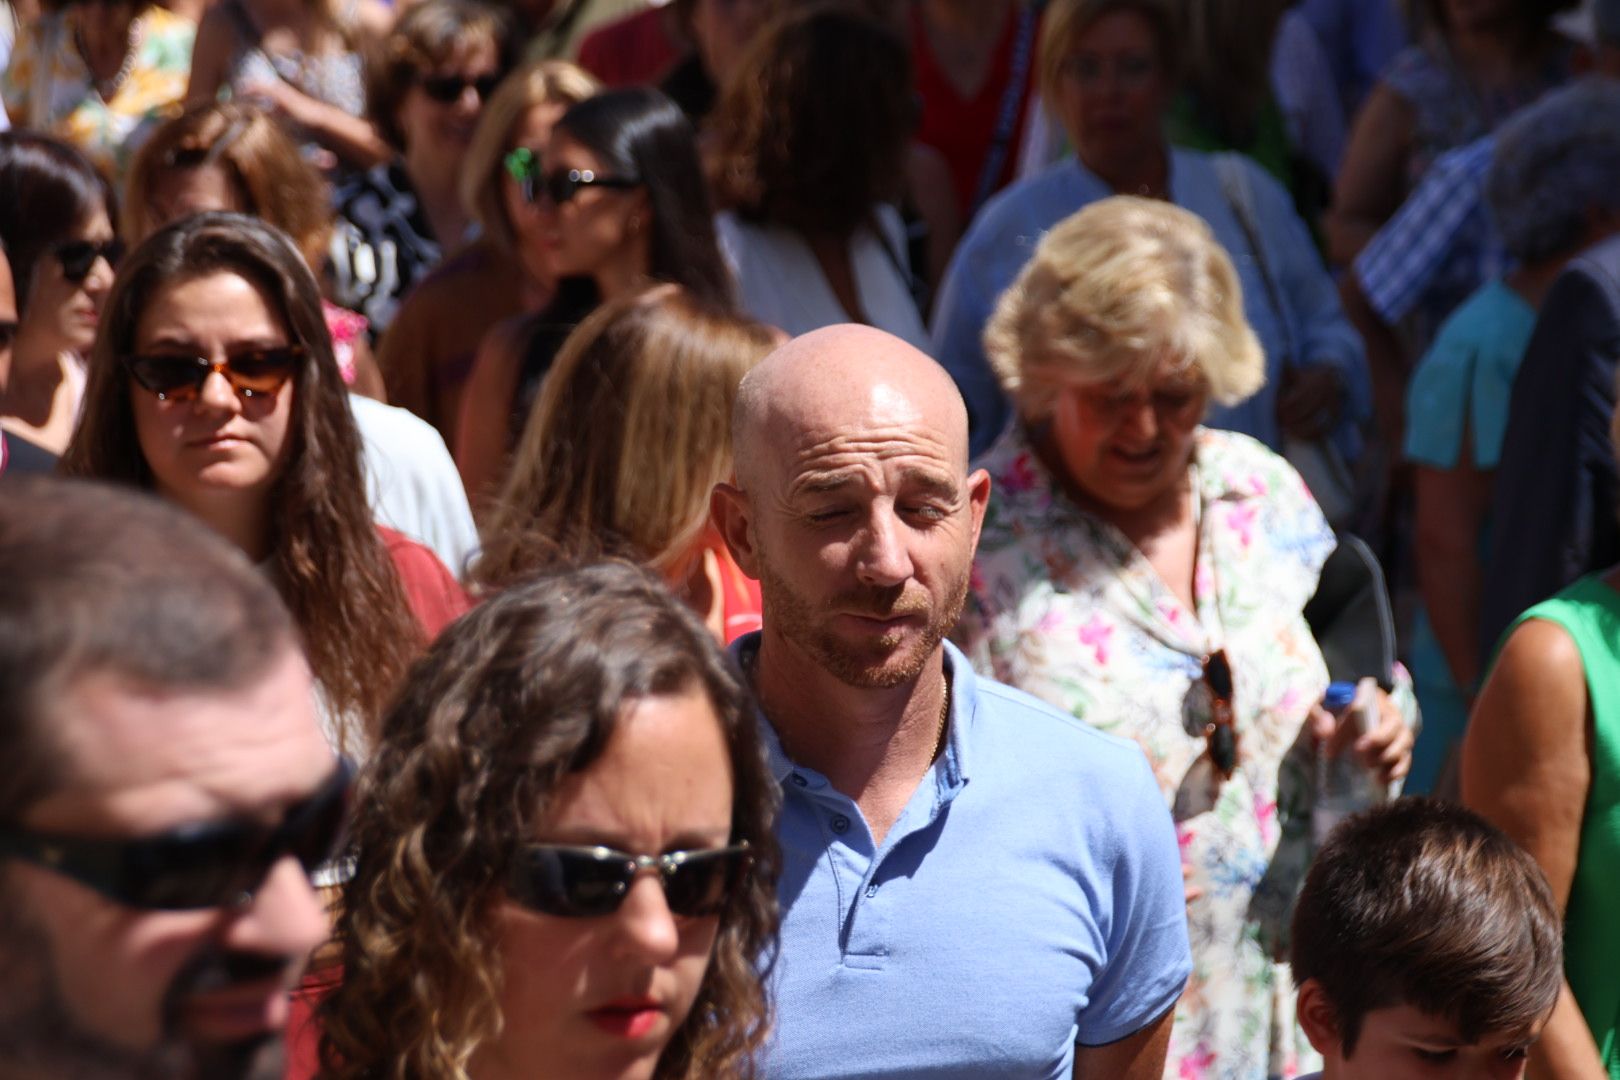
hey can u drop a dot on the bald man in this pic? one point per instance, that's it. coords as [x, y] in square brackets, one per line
[974, 885]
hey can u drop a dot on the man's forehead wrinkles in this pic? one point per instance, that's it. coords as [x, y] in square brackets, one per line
[882, 443]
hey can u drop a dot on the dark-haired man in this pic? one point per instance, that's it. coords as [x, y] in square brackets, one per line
[165, 790]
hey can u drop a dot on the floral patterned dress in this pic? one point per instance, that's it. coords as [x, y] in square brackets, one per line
[1065, 607]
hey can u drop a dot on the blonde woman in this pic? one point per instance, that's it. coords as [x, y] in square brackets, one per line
[630, 433]
[1149, 575]
[504, 273]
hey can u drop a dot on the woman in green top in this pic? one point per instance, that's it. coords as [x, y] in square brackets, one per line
[1541, 760]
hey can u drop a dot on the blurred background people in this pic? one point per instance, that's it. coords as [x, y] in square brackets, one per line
[631, 432]
[17, 455]
[1149, 575]
[619, 202]
[720, 32]
[437, 67]
[505, 271]
[98, 74]
[304, 62]
[58, 226]
[1108, 68]
[232, 156]
[214, 385]
[812, 137]
[540, 886]
[1553, 190]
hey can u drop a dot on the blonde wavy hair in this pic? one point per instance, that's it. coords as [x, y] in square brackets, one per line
[546, 82]
[630, 434]
[1110, 294]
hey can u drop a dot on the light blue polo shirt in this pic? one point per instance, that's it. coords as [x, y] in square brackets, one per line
[1028, 898]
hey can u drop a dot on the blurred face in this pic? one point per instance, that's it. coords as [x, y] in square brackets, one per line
[180, 193]
[532, 132]
[598, 998]
[1404, 1043]
[1113, 90]
[723, 29]
[222, 442]
[599, 230]
[1126, 447]
[440, 110]
[100, 990]
[62, 312]
[1480, 14]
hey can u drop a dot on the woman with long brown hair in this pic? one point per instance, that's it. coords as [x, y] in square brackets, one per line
[565, 743]
[213, 385]
[630, 434]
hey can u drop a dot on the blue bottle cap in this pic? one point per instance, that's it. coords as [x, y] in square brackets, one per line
[1339, 696]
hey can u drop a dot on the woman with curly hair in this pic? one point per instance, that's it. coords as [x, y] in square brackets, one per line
[213, 385]
[565, 864]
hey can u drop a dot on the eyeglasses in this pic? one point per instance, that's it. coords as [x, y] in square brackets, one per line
[219, 864]
[447, 89]
[250, 372]
[585, 882]
[78, 257]
[562, 185]
[1221, 731]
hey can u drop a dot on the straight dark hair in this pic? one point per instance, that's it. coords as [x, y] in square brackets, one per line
[1426, 904]
[48, 190]
[638, 132]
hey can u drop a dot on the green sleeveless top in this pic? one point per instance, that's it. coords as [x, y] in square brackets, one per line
[1589, 611]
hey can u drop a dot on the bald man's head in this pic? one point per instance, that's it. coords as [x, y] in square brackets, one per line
[831, 378]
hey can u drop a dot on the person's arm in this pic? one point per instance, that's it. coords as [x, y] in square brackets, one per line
[210, 57]
[350, 137]
[1136, 1057]
[481, 449]
[1371, 179]
[1451, 508]
[1525, 768]
[1388, 365]
[928, 181]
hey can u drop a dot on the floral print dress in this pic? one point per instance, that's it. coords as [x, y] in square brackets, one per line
[1064, 607]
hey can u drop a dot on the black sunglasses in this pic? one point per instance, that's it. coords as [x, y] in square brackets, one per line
[251, 372]
[447, 89]
[218, 864]
[78, 257]
[563, 185]
[1221, 731]
[584, 882]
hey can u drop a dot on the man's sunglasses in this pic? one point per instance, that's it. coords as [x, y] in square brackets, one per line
[1221, 732]
[219, 864]
[564, 184]
[584, 882]
[251, 372]
[447, 89]
[78, 257]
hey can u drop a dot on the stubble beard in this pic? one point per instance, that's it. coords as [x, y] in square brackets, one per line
[886, 662]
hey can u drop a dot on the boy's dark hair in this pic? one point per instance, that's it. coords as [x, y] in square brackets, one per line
[1426, 904]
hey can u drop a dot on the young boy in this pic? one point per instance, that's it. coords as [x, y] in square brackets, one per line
[1425, 944]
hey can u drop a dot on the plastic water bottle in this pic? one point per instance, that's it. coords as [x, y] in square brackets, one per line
[1343, 784]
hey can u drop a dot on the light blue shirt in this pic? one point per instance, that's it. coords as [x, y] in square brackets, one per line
[1310, 328]
[1028, 898]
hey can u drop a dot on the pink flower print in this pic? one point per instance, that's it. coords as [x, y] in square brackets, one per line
[1265, 816]
[1196, 1064]
[1240, 519]
[1049, 623]
[1095, 634]
[1203, 581]
[1020, 475]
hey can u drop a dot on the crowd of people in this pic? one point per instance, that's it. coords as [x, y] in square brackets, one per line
[809, 539]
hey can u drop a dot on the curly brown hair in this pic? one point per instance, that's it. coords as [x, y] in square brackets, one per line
[330, 564]
[520, 694]
[813, 127]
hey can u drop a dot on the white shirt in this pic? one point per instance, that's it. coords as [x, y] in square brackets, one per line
[412, 482]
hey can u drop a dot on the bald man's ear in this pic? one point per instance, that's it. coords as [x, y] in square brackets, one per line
[734, 517]
[978, 500]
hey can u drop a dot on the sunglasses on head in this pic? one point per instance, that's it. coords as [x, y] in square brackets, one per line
[447, 89]
[564, 184]
[219, 864]
[584, 882]
[1221, 731]
[251, 372]
[78, 257]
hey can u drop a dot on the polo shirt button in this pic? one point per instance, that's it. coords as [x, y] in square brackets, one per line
[840, 824]
[800, 780]
[871, 890]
